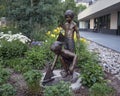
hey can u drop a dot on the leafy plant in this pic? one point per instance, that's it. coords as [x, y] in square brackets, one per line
[35, 57]
[4, 75]
[9, 28]
[60, 89]
[12, 49]
[7, 90]
[91, 71]
[33, 78]
[101, 89]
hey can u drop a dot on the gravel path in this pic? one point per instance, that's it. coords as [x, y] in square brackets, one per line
[109, 59]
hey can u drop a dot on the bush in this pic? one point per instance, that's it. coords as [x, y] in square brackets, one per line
[39, 34]
[18, 64]
[7, 90]
[35, 57]
[101, 89]
[33, 78]
[4, 75]
[9, 28]
[61, 89]
[12, 49]
[91, 71]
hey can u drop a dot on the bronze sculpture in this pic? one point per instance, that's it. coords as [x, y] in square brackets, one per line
[67, 54]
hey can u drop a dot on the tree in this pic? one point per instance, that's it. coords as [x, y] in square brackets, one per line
[31, 13]
[36, 15]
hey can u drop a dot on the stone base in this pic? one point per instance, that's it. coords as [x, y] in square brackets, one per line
[75, 81]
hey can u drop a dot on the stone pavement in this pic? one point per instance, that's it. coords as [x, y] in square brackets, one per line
[107, 40]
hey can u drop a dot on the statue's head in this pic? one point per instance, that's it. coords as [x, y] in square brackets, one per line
[56, 47]
[69, 13]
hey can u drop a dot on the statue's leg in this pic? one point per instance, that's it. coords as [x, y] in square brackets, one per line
[71, 45]
[65, 66]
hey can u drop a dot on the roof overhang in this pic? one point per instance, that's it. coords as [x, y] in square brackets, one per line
[100, 8]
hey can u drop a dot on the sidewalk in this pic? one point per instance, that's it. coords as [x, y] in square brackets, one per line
[107, 40]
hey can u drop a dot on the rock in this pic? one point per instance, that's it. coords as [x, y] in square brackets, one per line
[57, 78]
[108, 58]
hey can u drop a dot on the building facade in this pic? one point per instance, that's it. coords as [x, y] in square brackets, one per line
[102, 16]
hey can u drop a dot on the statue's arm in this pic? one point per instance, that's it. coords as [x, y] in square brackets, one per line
[77, 32]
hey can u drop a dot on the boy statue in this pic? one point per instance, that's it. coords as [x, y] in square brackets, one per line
[70, 27]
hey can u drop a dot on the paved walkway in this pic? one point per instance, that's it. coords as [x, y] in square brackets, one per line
[110, 41]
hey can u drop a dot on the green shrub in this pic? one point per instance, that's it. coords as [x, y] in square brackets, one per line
[18, 64]
[91, 71]
[4, 75]
[101, 89]
[12, 49]
[38, 35]
[9, 28]
[33, 78]
[35, 57]
[7, 90]
[60, 89]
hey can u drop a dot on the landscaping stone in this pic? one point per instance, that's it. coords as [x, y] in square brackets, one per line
[58, 78]
[108, 58]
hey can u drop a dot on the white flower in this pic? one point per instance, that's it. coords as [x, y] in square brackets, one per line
[11, 37]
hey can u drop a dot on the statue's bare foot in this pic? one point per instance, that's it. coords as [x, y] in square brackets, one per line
[63, 74]
[74, 78]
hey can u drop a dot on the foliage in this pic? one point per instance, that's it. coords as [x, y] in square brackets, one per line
[7, 90]
[81, 7]
[12, 49]
[4, 75]
[3, 8]
[18, 64]
[35, 58]
[91, 71]
[101, 89]
[33, 14]
[9, 28]
[60, 89]
[32, 77]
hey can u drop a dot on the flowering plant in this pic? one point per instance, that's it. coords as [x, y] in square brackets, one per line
[10, 37]
[54, 33]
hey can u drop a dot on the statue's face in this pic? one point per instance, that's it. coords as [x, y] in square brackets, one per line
[68, 18]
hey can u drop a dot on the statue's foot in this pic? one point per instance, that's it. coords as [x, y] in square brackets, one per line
[74, 78]
[63, 74]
